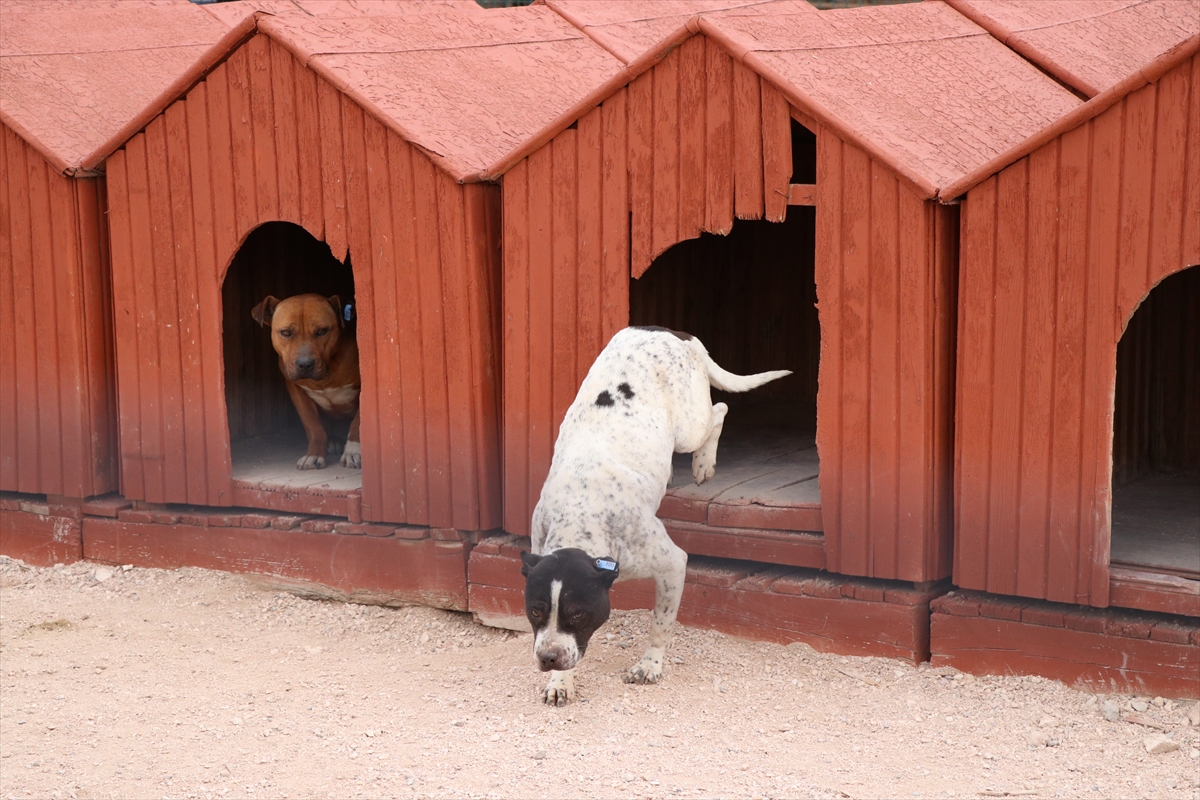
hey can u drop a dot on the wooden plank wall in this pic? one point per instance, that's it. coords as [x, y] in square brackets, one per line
[703, 141]
[885, 270]
[57, 387]
[1058, 250]
[262, 139]
[677, 152]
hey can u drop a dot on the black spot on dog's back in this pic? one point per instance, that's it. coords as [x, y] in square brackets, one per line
[604, 399]
[625, 390]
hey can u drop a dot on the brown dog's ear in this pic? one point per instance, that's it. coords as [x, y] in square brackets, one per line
[336, 302]
[263, 312]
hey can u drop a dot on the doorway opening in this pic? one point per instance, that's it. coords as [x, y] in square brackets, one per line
[266, 438]
[750, 297]
[1156, 433]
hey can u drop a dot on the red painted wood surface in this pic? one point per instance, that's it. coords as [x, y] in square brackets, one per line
[662, 148]
[885, 272]
[57, 393]
[40, 539]
[264, 139]
[884, 279]
[1058, 251]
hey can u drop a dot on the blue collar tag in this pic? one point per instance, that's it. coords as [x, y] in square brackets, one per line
[604, 563]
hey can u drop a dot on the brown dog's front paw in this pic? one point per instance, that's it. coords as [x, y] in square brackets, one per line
[311, 462]
[352, 455]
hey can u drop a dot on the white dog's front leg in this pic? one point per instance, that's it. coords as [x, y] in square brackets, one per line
[561, 688]
[704, 459]
[668, 592]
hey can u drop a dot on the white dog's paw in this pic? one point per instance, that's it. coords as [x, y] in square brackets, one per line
[352, 455]
[311, 462]
[704, 466]
[560, 690]
[648, 670]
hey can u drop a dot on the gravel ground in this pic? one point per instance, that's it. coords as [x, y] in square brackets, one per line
[131, 683]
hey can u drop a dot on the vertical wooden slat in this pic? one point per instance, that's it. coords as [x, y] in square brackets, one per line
[9, 230]
[1137, 185]
[517, 344]
[1191, 183]
[284, 116]
[614, 255]
[191, 334]
[973, 429]
[666, 178]
[170, 371]
[564, 263]
[386, 425]
[1099, 363]
[125, 334]
[828, 275]
[719, 138]
[429, 269]
[144, 292]
[333, 195]
[221, 168]
[947, 227]
[589, 333]
[97, 342]
[542, 421]
[1037, 373]
[692, 130]
[410, 325]
[308, 132]
[463, 454]
[1066, 442]
[262, 110]
[1166, 218]
[747, 144]
[776, 152]
[208, 275]
[73, 445]
[41, 314]
[241, 132]
[855, 497]
[641, 165]
[917, 390]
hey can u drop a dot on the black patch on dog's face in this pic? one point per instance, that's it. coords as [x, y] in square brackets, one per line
[604, 399]
[625, 390]
[660, 329]
[583, 604]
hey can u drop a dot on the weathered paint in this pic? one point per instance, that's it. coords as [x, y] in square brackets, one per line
[1058, 250]
[57, 419]
[702, 140]
[262, 139]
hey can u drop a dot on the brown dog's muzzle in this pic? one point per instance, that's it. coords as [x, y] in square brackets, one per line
[306, 365]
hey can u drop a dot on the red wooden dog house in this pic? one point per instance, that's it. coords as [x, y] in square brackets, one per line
[1078, 427]
[318, 151]
[765, 113]
[67, 99]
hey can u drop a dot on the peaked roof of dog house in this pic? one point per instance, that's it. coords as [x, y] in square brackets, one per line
[1141, 76]
[76, 75]
[234, 12]
[467, 87]
[1089, 45]
[629, 29]
[919, 87]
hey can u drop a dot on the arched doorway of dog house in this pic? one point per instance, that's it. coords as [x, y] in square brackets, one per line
[750, 297]
[267, 439]
[1156, 433]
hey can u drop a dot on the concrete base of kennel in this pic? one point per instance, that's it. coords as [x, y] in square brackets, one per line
[783, 604]
[38, 532]
[1110, 649]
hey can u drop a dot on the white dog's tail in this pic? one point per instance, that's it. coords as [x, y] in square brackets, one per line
[727, 381]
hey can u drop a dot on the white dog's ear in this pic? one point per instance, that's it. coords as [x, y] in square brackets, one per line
[263, 312]
[528, 562]
[608, 569]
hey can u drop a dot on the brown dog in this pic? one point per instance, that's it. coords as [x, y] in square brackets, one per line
[321, 368]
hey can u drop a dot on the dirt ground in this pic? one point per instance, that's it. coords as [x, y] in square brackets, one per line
[177, 684]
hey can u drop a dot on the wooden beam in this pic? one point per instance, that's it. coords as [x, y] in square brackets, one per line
[802, 194]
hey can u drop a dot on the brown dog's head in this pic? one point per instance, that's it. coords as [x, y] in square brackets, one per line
[305, 330]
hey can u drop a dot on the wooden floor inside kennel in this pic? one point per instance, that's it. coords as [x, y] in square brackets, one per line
[763, 503]
[1156, 524]
[265, 476]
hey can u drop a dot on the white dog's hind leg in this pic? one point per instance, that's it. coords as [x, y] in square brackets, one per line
[668, 591]
[704, 459]
[561, 688]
